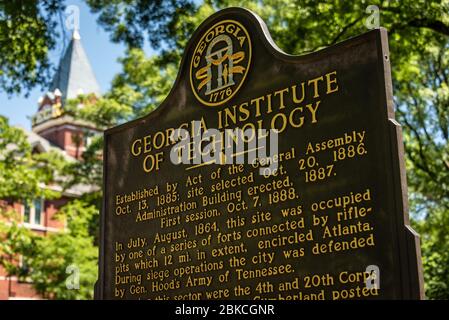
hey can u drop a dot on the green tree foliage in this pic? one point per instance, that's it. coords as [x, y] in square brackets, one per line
[435, 239]
[21, 171]
[143, 88]
[140, 20]
[67, 262]
[27, 34]
[15, 241]
[23, 253]
[22, 174]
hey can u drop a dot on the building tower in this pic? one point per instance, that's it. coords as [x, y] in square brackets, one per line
[73, 77]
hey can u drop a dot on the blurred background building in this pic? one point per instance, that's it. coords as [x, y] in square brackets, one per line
[54, 129]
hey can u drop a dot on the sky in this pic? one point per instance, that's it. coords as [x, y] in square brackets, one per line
[101, 52]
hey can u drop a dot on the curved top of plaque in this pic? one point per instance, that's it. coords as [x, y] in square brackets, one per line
[226, 57]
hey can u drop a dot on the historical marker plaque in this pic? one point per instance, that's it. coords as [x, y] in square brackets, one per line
[330, 222]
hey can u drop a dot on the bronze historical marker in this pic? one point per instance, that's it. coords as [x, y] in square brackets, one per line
[330, 222]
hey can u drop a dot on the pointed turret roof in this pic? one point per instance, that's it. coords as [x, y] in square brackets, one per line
[74, 75]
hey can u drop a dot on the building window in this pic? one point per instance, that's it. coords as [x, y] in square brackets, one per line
[87, 141]
[87, 138]
[38, 211]
[26, 212]
[33, 213]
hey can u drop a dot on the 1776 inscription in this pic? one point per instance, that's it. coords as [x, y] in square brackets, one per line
[324, 217]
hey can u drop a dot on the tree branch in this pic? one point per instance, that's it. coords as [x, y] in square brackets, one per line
[431, 24]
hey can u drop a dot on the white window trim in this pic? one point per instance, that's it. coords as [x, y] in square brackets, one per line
[36, 227]
[39, 228]
[31, 223]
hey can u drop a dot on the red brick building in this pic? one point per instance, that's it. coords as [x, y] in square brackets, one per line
[53, 129]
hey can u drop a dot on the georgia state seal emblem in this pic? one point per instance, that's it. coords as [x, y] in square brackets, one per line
[220, 62]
